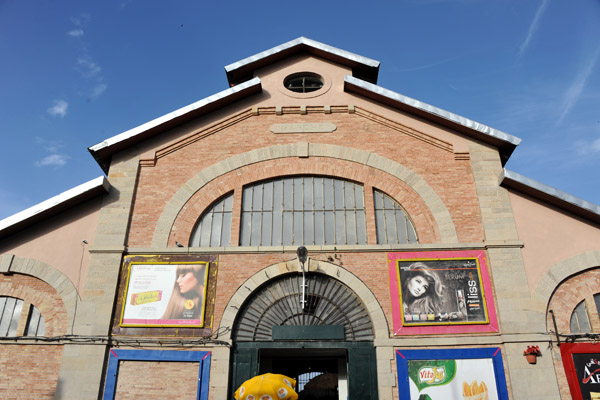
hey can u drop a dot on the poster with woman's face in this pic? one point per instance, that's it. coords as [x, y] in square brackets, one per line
[441, 292]
[165, 294]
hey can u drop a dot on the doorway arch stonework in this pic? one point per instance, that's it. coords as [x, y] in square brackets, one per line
[384, 350]
[378, 319]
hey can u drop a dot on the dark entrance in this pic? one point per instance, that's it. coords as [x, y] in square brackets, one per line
[354, 364]
[320, 374]
[326, 344]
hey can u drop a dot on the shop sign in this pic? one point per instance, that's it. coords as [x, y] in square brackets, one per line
[582, 367]
[438, 290]
[165, 294]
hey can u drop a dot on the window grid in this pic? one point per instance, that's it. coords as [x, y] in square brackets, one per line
[11, 309]
[10, 312]
[303, 210]
[392, 223]
[580, 322]
[214, 227]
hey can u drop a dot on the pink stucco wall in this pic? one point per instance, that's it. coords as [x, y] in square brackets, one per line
[57, 241]
[550, 235]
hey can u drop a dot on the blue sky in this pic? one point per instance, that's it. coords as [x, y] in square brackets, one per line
[74, 73]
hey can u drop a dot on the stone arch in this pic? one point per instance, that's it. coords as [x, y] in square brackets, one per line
[420, 215]
[575, 289]
[372, 306]
[434, 203]
[48, 274]
[561, 271]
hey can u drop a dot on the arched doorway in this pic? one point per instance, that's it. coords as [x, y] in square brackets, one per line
[325, 342]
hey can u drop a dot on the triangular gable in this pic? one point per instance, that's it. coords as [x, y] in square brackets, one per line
[362, 67]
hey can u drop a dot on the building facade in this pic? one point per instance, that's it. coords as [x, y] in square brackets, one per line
[304, 221]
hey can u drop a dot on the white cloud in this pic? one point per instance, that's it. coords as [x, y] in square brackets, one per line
[533, 27]
[98, 90]
[59, 108]
[53, 160]
[88, 67]
[50, 146]
[585, 148]
[574, 91]
[76, 33]
[81, 20]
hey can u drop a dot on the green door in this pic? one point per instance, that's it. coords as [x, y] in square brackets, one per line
[360, 356]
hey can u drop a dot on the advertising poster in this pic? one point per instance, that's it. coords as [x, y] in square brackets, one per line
[582, 367]
[587, 366]
[459, 374]
[441, 291]
[452, 379]
[164, 294]
[435, 292]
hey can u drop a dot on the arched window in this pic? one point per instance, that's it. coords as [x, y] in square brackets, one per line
[303, 210]
[11, 311]
[392, 222]
[214, 226]
[580, 323]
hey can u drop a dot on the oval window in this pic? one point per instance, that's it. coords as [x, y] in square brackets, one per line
[303, 82]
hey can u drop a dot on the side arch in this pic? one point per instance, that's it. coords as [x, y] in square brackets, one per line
[372, 306]
[435, 204]
[50, 275]
[560, 272]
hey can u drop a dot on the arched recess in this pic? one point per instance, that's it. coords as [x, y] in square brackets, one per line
[50, 275]
[576, 291]
[561, 271]
[435, 205]
[371, 305]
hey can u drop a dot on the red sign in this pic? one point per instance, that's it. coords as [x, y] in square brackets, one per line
[582, 367]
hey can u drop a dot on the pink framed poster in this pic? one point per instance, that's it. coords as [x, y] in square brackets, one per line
[441, 292]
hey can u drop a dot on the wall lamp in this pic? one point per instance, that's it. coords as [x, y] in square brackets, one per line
[302, 254]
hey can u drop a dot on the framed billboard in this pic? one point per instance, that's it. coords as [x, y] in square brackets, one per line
[441, 292]
[470, 374]
[165, 294]
[582, 367]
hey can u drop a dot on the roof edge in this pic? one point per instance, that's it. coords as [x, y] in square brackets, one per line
[55, 204]
[107, 147]
[240, 68]
[439, 115]
[549, 194]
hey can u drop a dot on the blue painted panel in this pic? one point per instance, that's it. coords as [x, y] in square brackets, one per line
[202, 357]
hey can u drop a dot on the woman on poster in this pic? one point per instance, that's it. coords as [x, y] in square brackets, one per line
[422, 290]
[187, 297]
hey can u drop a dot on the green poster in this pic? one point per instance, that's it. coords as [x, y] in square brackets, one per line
[470, 379]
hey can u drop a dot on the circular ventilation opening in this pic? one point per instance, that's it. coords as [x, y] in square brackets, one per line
[303, 82]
